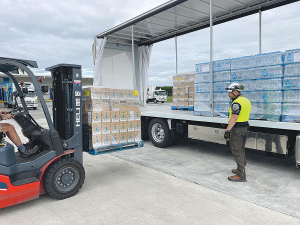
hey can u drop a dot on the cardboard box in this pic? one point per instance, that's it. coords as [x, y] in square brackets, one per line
[123, 105]
[91, 105]
[115, 104]
[123, 127]
[115, 127]
[131, 136]
[96, 117]
[105, 93]
[96, 105]
[191, 102]
[106, 139]
[90, 93]
[186, 102]
[132, 105]
[114, 93]
[105, 128]
[91, 117]
[191, 90]
[138, 136]
[96, 141]
[115, 139]
[105, 116]
[123, 137]
[129, 94]
[115, 116]
[137, 125]
[122, 94]
[123, 115]
[96, 128]
[131, 126]
[130, 115]
[137, 115]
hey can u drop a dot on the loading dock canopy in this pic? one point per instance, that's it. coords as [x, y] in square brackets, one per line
[178, 17]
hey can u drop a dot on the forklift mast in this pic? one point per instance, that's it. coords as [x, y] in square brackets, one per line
[67, 106]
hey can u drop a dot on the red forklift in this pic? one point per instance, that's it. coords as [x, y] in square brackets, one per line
[57, 168]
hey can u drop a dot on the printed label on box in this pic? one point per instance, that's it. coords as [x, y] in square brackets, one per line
[96, 132]
[114, 142]
[97, 120]
[87, 93]
[106, 143]
[123, 141]
[106, 131]
[115, 108]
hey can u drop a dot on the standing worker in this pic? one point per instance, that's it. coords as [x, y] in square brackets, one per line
[237, 130]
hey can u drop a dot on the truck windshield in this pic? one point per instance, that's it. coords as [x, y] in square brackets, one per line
[31, 94]
[161, 93]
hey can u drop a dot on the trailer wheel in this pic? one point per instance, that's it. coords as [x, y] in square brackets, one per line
[64, 178]
[159, 133]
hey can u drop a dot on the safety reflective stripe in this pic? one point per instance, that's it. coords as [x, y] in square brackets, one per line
[245, 109]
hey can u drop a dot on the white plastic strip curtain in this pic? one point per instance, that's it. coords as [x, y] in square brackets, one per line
[98, 50]
[144, 61]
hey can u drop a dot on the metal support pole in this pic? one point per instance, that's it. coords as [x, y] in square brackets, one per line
[176, 55]
[259, 31]
[133, 59]
[211, 57]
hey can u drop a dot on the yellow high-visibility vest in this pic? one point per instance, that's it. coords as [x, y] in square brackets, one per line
[245, 109]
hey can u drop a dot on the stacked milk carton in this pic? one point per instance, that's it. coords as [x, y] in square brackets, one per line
[261, 75]
[221, 78]
[184, 90]
[291, 86]
[113, 115]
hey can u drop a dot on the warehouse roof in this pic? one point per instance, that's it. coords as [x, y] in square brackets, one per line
[178, 17]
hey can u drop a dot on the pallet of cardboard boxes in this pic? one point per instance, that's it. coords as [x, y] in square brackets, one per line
[112, 114]
[184, 91]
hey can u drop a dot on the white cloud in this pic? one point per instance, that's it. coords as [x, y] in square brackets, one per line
[52, 32]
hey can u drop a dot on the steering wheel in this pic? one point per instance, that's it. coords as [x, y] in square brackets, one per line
[15, 110]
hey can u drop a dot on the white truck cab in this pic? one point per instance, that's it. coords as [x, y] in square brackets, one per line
[155, 94]
[30, 98]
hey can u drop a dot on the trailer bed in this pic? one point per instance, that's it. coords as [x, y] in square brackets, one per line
[164, 111]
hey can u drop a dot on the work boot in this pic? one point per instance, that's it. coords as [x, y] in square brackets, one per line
[234, 171]
[29, 152]
[236, 178]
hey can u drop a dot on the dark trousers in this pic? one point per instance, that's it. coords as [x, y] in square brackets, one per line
[238, 137]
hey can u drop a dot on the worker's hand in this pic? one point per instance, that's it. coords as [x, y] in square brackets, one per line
[3, 112]
[7, 117]
[227, 135]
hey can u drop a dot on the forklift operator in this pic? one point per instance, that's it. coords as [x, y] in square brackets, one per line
[26, 150]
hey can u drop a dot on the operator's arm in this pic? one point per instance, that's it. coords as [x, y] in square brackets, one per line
[232, 121]
[236, 109]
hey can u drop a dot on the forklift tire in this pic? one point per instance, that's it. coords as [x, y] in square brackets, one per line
[162, 102]
[155, 101]
[34, 108]
[159, 133]
[64, 178]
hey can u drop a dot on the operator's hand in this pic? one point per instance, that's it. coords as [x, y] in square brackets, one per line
[227, 135]
[7, 117]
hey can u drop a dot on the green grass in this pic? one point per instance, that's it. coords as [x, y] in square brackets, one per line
[169, 99]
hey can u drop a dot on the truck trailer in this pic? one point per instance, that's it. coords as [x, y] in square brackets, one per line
[163, 126]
